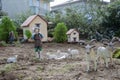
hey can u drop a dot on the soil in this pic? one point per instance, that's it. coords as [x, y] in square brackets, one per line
[29, 68]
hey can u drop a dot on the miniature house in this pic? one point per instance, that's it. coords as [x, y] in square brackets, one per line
[73, 35]
[35, 21]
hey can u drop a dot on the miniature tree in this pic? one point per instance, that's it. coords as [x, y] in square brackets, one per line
[6, 26]
[28, 34]
[60, 33]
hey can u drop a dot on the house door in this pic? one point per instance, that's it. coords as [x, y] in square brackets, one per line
[74, 39]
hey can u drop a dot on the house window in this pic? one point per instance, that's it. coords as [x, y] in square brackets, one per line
[74, 33]
[37, 25]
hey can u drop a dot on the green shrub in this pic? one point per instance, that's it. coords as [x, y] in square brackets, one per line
[60, 33]
[116, 54]
[28, 34]
[117, 33]
[40, 68]
[6, 26]
[3, 43]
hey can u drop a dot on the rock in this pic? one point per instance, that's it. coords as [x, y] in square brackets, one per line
[82, 42]
[12, 59]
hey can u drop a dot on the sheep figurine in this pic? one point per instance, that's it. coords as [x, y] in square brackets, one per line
[51, 55]
[90, 56]
[111, 45]
[12, 59]
[104, 53]
[61, 54]
[58, 55]
[62, 57]
[73, 52]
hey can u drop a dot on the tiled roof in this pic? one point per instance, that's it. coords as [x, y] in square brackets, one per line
[70, 31]
[30, 19]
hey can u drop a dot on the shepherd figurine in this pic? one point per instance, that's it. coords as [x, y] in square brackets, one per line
[38, 42]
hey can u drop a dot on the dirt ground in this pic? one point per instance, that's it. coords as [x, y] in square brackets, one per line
[30, 68]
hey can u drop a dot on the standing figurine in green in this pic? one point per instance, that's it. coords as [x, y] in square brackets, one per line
[38, 42]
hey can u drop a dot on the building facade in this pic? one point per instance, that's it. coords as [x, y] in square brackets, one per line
[79, 5]
[68, 4]
[15, 7]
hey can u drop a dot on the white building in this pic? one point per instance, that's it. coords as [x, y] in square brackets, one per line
[79, 5]
[15, 7]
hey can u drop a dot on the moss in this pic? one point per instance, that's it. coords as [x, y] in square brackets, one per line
[61, 70]
[40, 68]
[21, 76]
[8, 68]
[116, 54]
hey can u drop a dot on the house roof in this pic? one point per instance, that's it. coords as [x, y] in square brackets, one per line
[70, 31]
[30, 19]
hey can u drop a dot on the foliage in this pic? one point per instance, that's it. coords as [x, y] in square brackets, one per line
[116, 54]
[111, 21]
[54, 19]
[28, 34]
[6, 26]
[117, 33]
[20, 18]
[60, 33]
[76, 17]
[94, 19]
[2, 13]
